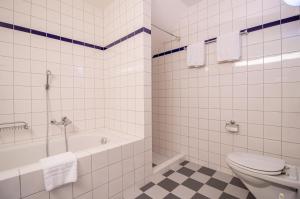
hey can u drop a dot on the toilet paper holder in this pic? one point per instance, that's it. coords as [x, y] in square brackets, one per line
[232, 126]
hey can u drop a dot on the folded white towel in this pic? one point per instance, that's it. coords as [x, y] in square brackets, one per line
[229, 47]
[59, 170]
[196, 54]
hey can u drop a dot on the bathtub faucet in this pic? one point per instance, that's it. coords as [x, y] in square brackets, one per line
[65, 122]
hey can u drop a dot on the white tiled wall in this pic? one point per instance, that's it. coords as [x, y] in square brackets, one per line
[127, 77]
[77, 85]
[127, 68]
[191, 106]
[83, 77]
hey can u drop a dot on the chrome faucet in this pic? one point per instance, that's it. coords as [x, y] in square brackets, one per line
[65, 122]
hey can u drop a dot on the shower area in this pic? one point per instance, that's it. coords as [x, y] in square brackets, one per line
[75, 76]
[167, 114]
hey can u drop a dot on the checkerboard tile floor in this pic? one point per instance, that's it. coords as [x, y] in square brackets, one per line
[190, 180]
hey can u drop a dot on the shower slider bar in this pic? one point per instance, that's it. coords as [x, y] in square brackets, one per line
[14, 125]
[163, 30]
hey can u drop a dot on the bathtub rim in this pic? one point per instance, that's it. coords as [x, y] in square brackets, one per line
[36, 167]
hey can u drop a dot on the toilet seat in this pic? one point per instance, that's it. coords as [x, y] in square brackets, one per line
[257, 163]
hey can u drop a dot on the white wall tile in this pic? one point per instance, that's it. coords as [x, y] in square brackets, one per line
[62, 192]
[101, 192]
[83, 185]
[31, 182]
[100, 177]
[115, 187]
[10, 185]
[291, 150]
[39, 195]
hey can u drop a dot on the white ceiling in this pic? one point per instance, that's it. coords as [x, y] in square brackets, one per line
[166, 14]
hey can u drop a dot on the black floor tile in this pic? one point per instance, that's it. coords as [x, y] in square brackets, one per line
[192, 184]
[186, 171]
[237, 182]
[207, 171]
[184, 163]
[168, 184]
[143, 196]
[171, 196]
[218, 184]
[250, 196]
[166, 174]
[199, 196]
[147, 186]
[227, 196]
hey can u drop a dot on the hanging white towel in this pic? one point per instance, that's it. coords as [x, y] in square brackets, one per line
[59, 170]
[229, 47]
[196, 54]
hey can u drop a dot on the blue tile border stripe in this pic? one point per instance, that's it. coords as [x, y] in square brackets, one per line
[249, 30]
[64, 39]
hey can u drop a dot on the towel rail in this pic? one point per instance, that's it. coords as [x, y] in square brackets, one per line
[14, 125]
[242, 32]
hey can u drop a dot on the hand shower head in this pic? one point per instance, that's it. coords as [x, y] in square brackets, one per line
[48, 74]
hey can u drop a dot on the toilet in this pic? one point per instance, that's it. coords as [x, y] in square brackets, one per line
[266, 177]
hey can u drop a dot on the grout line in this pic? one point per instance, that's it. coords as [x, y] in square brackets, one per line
[220, 95]
[263, 86]
[247, 72]
[31, 130]
[281, 81]
[13, 84]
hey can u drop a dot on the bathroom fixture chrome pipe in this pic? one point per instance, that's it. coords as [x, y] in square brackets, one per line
[159, 28]
[65, 122]
[47, 87]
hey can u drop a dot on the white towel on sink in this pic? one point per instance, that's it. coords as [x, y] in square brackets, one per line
[229, 47]
[59, 170]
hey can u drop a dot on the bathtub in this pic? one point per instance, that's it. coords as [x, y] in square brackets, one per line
[23, 154]
[21, 174]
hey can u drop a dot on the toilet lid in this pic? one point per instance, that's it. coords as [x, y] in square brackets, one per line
[257, 162]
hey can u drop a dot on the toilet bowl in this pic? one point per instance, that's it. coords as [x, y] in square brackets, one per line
[264, 176]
